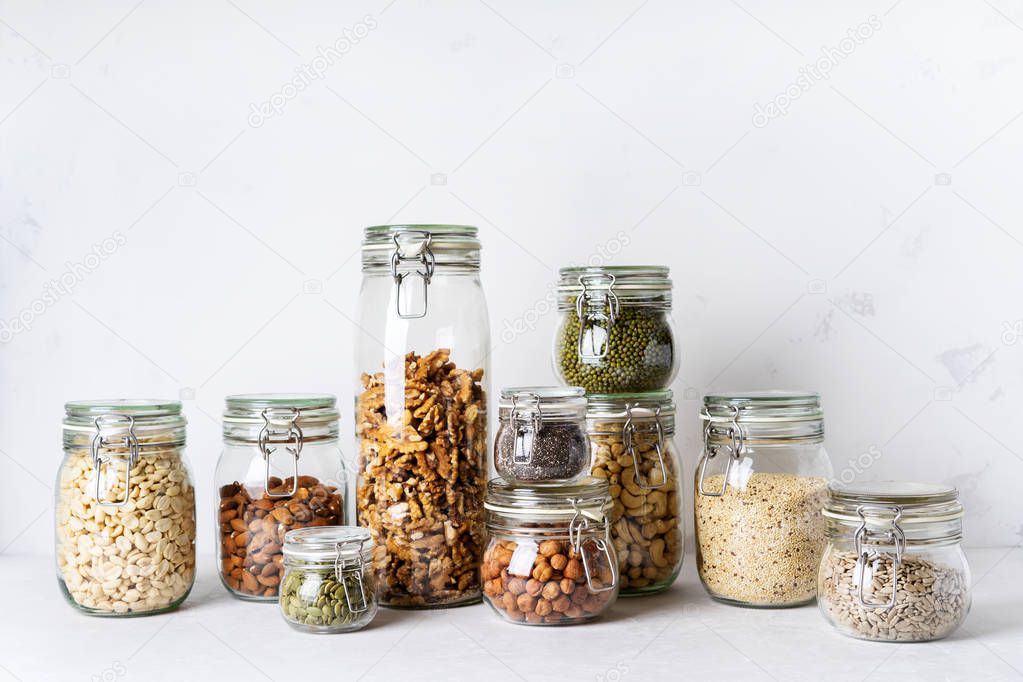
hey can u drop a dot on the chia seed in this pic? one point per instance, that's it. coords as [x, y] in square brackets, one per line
[560, 453]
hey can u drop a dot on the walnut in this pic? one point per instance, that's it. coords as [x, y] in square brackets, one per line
[421, 481]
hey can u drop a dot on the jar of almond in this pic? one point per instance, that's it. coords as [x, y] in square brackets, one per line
[281, 469]
[549, 558]
[125, 516]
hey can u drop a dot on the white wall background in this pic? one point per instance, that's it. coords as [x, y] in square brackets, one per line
[866, 244]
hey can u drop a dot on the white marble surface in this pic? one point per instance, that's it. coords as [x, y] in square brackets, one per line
[678, 635]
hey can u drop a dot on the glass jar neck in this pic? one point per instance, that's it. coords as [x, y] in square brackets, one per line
[591, 290]
[420, 250]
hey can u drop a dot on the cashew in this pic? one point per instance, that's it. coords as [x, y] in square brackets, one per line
[657, 553]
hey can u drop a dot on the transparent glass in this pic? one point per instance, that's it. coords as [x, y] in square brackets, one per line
[257, 505]
[130, 552]
[644, 483]
[533, 576]
[618, 338]
[317, 598]
[421, 413]
[541, 435]
[760, 541]
[932, 595]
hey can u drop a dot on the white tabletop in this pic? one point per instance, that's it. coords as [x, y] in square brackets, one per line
[679, 634]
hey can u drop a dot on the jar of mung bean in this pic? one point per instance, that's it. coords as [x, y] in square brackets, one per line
[894, 568]
[542, 435]
[632, 437]
[281, 469]
[615, 333]
[125, 508]
[760, 486]
[549, 559]
[328, 585]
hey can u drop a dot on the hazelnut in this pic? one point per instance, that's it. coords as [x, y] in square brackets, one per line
[558, 562]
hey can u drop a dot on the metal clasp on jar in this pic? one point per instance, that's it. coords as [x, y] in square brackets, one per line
[294, 436]
[734, 447]
[628, 435]
[130, 442]
[576, 528]
[590, 320]
[892, 536]
[347, 565]
[525, 419]
[423, 256]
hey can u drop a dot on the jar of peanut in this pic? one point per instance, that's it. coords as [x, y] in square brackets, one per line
[632, 439]
[281, 469]
[125, 516]
[549, 559]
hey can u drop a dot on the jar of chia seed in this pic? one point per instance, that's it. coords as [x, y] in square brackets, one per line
[542, 434]
[615, 334]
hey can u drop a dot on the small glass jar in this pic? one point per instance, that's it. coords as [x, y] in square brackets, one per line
[549, 559]
[760, 487]
[281, 469]
[542, 435]
[327, 585]
[125, 508]
[632, 437]
[615, 334]
[422, 359]
[894, 568]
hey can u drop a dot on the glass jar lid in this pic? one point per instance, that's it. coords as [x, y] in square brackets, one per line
[545, 402]
[643, 408]
[762, 417]
[910, 502]
[628, 282]
[136, 423]
[588, 496]
[394, 246]
[323, 544]
[305, 408]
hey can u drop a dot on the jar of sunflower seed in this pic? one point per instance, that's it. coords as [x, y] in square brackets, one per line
[632, 445]
[615, 333]
[327, 585]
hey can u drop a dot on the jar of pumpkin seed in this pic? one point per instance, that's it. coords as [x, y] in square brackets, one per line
[327, 585]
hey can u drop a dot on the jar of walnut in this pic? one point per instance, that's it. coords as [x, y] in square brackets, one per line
[549, 559]
[281, 469]
[632, 440]
[421, 412]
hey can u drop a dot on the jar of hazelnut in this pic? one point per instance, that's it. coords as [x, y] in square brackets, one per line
[549, 559]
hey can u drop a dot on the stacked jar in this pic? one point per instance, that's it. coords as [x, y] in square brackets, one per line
[549, 558]
[615, 341]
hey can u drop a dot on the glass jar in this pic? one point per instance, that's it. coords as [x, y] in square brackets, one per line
[281, 469]
[125, 508]
[894, 568]
[542, 434]
[632, 437]
[549, 558]
[421, 412]
[760, 486]
[327, 585]
[615, 333]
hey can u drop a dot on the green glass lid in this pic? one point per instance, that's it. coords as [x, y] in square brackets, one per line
[914, 501]
[769, 405]
[328, 542]
[138, 408]
[643, 404]
[250, 407]
[588, 495]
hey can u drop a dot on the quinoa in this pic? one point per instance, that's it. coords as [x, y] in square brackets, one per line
[761, 545]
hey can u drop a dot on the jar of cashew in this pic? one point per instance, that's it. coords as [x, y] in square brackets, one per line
[549, 558]
[125, 508]
[632, 440]
[281, 469]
